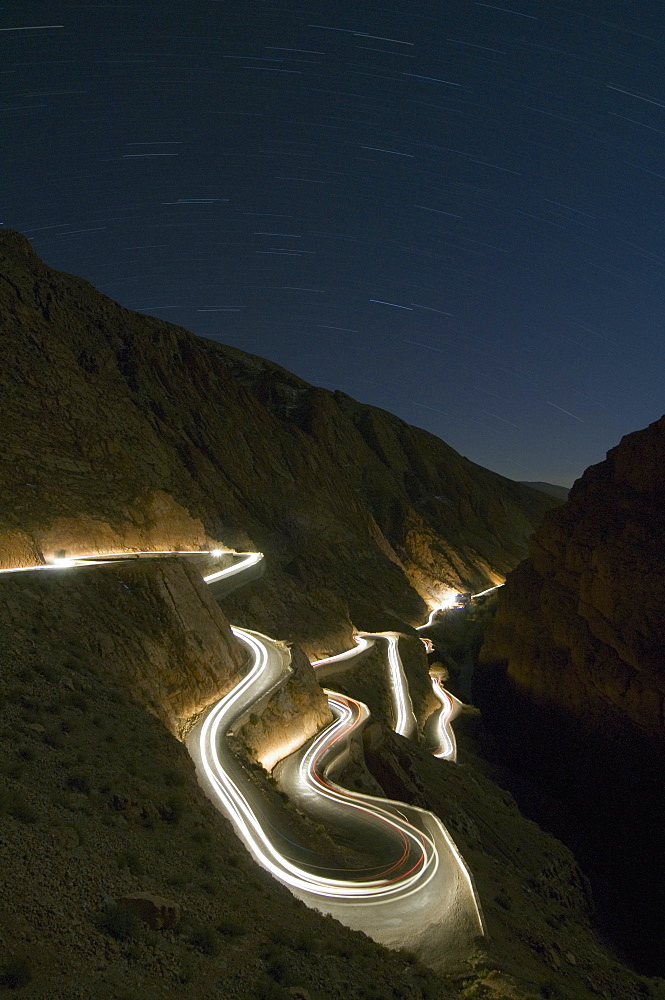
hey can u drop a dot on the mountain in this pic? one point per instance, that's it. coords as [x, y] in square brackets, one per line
[576, 654]
[120, 879]
[560, 492]
[122, 431]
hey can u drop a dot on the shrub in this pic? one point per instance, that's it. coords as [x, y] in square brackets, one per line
[205, 940]
[230, 926]
[267, 989]
[173, 809]
[16, 807]
[503, 899]
[54, 739]
[119, 922]
[174, 779]
[77, 701]
[15, 973]
[278, 968]
[130, 861]
[550, 990]
[77, 783]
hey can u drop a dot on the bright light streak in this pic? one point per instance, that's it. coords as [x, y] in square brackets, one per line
[405, 719]
[488, 591]
[450, 706]
[248, 824]
[420, 859]
[216, 553]
[251, 558]
[362, 644]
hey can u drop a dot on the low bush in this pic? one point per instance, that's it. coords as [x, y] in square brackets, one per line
[119, 922]
[15, 973]
[205, 940]
[77, 783]
[231, 926]
[267, 989]
[130, 861]
[14, 805]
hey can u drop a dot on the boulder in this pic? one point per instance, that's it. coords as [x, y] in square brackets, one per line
[156, 912]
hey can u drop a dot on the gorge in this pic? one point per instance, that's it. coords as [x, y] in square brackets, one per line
[124, 434]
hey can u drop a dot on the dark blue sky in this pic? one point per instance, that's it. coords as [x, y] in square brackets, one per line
[452, 210]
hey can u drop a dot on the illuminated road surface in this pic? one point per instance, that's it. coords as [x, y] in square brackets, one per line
[438, 726]
[419, 895]
[249, 566]
[404, 719]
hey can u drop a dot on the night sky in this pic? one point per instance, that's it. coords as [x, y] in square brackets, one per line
[451, 210]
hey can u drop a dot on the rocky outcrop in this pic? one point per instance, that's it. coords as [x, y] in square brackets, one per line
[150, 625]
[580, 624]
[572, 679]
[289, 716]
[122, 431]
[155, 912]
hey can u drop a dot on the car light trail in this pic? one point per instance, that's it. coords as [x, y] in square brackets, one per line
[405, 721]
[362, 645]
[237, 806]
[450, 707]
[250, 559]
[428, 870]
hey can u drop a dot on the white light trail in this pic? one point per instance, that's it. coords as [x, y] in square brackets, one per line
[249, 826]
[405, 719]
[362, 644]
[250, 559]
[428, 852]
[450, 707]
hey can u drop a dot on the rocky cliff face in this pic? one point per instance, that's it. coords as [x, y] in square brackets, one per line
[121, 431]
[572, 677]
[152, 626]
[580, 624]
[296, 711]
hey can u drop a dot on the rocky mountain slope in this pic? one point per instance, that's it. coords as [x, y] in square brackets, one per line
[120, 430]
[560, 492]
[576, 655]
[119, 878]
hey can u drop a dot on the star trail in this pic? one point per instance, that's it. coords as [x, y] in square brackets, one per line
[449, 209]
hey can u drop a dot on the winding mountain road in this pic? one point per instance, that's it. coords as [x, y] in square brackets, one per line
[419, 893]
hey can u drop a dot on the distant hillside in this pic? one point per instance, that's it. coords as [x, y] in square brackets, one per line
[121, 430]
[560, 492]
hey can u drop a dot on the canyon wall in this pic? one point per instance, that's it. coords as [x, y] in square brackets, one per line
[122, 431]
[571, 679]
[580, 624]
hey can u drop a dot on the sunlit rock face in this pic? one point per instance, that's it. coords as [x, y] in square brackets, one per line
[295, 711]
[153, 626]
[120, 430]
[581, 623]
